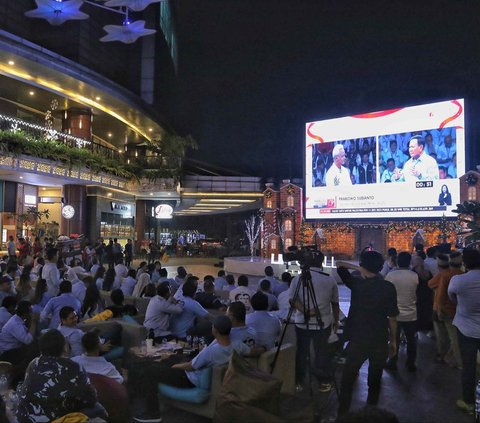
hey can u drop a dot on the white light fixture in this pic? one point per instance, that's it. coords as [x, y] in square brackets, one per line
[31, 93]
[57, 12]
[127, 33]
[11, 62]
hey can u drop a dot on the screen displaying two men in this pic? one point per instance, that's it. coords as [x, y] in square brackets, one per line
[403, 162]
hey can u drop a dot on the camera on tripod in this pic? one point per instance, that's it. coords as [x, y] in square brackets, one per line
[308, 256]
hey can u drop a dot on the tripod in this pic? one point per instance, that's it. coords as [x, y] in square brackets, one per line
[304, 300]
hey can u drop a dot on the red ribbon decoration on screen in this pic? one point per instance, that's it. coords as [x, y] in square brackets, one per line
[374, 115]
[315, 137]
[448, 120]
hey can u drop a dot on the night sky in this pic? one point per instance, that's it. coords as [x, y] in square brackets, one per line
[252, 72]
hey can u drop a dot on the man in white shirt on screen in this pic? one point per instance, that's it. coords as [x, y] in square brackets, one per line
[338, 174]
[420, 166]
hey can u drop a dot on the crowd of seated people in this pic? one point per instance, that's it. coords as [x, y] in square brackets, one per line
[42, 304]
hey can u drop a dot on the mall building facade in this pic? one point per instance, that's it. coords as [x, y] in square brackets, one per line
[64, 90]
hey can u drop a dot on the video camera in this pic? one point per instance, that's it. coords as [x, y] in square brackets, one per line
[307, 256]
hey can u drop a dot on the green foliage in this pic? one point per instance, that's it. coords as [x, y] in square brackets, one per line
[469, 214]
[19, 142]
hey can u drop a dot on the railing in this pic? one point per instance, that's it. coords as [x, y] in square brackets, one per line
[8, 123]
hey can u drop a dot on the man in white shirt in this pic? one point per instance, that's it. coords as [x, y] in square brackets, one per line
[242, 293]
[406, 283]
[51, 273]
[430, 262]
[120, 269]
[159, 310]
[326, 295]
[92, 362]
[420, 166]
[338, 174]
[11, 248]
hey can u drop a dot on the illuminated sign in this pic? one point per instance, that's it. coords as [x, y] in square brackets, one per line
[162, 211]
[30, 199]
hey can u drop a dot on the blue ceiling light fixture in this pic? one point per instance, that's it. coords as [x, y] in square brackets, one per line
[135, 5]
[127, 33]
[56, 12]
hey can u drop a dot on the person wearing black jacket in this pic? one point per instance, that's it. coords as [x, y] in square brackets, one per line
[371, 325]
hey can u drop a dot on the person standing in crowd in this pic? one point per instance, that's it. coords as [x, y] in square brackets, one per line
[444, 310]
[371, 327]
[128, 252]
[430, 262]
[307, 327]
[51, 312]
[11, 248]
[99, 248]
[51, 273]
[424, 293]
[405, 282]
[464, 290]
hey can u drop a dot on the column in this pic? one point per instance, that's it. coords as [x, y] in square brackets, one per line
[140, 216]
[75, 196]
[77, 122]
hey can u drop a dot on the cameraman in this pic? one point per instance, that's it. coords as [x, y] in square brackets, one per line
[314, 323]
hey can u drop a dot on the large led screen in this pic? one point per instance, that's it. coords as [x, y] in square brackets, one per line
[399, 163]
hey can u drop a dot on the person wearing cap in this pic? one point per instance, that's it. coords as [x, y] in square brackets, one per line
[406, 283]
[145, 378]
[444, 309]
[338, 174]
[464, 290]
[420, 166]
[371, 327]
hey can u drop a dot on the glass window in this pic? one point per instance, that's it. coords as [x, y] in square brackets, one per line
[288, 225]
[290, 201]
[288, 242]
[472, 193]
[269, 204]
[273, 244]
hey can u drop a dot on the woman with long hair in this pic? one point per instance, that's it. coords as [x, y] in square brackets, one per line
[93, 303]
[445, 198]
[109, 280]
[24, 287]
[40, 297]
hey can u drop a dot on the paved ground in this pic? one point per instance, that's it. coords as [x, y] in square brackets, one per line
[428, 395]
